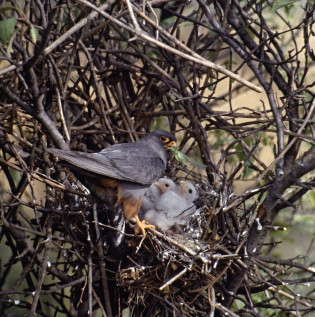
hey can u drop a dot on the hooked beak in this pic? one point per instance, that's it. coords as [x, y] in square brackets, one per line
[170, 144]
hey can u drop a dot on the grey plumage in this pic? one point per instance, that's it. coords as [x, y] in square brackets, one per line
[141, 162]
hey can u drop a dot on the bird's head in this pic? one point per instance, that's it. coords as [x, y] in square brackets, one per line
[167, 139]
[187, 190]
[165, 184]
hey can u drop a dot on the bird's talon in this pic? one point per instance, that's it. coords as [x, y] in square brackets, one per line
[142, 225]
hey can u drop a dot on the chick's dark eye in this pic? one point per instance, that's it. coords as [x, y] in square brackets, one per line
[167, 185]
[190, 191]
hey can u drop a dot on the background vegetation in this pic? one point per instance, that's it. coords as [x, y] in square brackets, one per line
[234, 80]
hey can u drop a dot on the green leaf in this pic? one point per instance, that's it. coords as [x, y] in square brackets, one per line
[247, 170]
[179, 156]
[34, 33]
[283, 3]
[9, 48]
[311, 200]
[7, 30]
[185, 159]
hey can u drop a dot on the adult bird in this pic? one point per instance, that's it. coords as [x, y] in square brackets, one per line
[124, 171]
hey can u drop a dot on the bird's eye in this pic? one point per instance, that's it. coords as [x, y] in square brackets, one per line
[190, 191]
[167, 185]
[164, 139]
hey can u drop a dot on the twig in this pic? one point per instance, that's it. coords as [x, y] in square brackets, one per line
[45, 263]
[174, 278]
[272, 164]
[196, 58]
[76, 27]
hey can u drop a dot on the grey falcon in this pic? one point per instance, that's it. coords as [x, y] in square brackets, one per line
[125, 170]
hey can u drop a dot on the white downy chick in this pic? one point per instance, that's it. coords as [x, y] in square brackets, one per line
[167, 205]
[155, 191]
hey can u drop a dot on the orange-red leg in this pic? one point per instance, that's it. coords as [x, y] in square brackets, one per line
[142, 226]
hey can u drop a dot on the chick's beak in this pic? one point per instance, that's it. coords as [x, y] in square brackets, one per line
[158, 186]
[181, 186]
